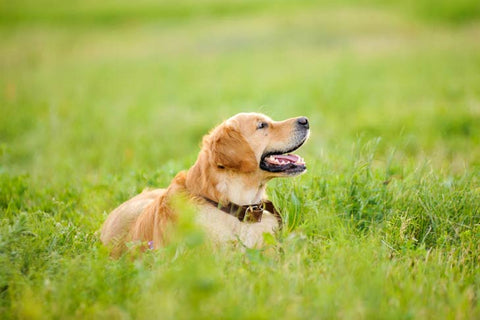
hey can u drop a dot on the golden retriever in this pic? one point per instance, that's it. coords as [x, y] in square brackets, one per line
[226, 185]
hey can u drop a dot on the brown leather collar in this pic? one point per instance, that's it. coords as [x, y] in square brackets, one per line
[248, 213]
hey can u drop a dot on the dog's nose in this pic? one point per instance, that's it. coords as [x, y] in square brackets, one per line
[303, 121]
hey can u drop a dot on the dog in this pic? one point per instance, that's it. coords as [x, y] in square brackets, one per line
[226, 186]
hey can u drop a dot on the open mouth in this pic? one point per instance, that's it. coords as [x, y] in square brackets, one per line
[283, 162]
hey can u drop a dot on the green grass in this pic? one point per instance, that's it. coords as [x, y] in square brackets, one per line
[100, 100]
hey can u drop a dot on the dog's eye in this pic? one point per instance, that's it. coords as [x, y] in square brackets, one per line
[262, 125]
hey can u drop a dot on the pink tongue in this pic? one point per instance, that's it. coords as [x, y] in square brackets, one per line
[287, 157]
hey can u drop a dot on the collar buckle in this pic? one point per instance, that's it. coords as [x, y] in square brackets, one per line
[253, 213]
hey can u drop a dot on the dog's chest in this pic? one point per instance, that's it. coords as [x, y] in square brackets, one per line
[222, 227]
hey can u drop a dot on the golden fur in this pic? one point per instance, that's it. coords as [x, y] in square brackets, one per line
[226, 171]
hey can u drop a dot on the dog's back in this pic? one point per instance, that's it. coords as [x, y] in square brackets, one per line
[120, 221]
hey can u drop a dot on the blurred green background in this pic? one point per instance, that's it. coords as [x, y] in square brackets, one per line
[90, 86]
[100, 99]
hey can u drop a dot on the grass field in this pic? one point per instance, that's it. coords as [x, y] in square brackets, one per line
[99, 100]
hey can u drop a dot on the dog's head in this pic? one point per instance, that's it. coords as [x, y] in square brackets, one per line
[254, 143]
[240, 155]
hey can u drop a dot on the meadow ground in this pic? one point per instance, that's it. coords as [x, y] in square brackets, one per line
[100, 100]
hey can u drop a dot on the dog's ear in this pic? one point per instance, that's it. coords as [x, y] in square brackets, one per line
[230, 150]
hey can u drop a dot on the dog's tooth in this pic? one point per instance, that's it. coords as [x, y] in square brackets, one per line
[272, 160]
[300, 161]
